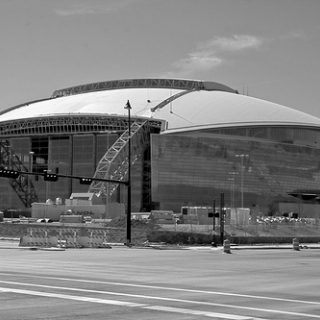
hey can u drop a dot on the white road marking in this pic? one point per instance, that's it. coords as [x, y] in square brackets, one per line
[202, 313]
[164, 299]
[172, 289]
[70, 297]
[127, 304]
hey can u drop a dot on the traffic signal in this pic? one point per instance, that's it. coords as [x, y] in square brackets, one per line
[7, 173]
[50, 176]
[85, 181]
[211, 215]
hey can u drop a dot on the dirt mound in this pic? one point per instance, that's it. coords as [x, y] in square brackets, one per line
[12, 230]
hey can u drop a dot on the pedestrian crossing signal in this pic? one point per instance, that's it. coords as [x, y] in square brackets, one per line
[211, 215]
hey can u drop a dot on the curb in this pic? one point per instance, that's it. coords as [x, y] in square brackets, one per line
[13, 243]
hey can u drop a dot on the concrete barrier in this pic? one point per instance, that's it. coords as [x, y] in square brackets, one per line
[66, 238]
[295, 244]
[226, 246]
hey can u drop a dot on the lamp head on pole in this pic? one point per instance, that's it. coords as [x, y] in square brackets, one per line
[128, 105]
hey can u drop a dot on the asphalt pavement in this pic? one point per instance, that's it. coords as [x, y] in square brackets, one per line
[159, 281]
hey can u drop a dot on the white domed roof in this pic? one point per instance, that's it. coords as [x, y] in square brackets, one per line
[206, 105]
[110, 102]
[215, 109]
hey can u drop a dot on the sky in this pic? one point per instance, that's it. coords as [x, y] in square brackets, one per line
[268, 49]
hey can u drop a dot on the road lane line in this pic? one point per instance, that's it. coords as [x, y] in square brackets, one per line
[202, 313]
[127, 304]
[166, 299]
[71, 297]
[172, 289]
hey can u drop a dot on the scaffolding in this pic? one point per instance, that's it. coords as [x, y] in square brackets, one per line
[22, 185]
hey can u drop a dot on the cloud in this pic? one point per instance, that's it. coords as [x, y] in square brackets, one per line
[294, 34]
[212, 53]
[87, 8]
[236, 43]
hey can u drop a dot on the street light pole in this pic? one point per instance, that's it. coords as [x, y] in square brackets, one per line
[242, 156]
[233, 179]
[232, 192]
[31, 153]
[47, 187]
[128, 243]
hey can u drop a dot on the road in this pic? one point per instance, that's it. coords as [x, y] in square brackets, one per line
[131, 283]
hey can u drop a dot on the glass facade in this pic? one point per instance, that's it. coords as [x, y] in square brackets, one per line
[76, 155]
[253, 167]
[256, 166]
[291, 135]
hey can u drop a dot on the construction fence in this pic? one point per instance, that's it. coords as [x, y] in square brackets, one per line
[73, 237]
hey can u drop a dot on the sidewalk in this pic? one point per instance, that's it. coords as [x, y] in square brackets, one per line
[9, 243]
[13, 243]
[260, 247]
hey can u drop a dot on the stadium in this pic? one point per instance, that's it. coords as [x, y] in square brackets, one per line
[190, 141]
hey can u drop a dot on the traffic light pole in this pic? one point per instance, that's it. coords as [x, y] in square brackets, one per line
[214, 215]
[221, 218]
[214, 222]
